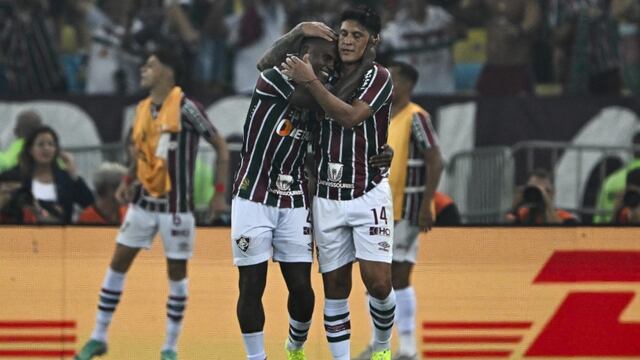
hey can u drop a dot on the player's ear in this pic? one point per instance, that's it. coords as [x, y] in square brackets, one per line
[375, 39]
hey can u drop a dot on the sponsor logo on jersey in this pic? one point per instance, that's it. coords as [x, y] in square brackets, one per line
[335, 172]
[284, 182]
[285, 128]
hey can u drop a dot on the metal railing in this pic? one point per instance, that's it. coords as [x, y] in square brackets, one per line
[481, 181]
[578, 170]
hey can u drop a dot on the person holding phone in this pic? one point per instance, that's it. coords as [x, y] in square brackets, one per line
[49, 184]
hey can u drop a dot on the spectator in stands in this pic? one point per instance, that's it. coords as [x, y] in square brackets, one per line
[627, 13]
[586, 47]
[112, 62]
[325, 11]
[48, 192]
[72, 40]
[447, 213]
[628, 210]
[535, 203]
[422, 35]
[613, 186]
[27, 121]
[29, 51]
[511, 26]
[211, 58]
[106, 209]
[251, 33]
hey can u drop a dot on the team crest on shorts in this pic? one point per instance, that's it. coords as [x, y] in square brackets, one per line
[243, 243]
[335, 172]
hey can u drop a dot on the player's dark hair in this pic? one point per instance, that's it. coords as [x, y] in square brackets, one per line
[364, 15]
[405, 70]
[171, 56]
[307, 41]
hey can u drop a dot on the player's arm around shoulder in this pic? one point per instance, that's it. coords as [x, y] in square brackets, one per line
[347, 114]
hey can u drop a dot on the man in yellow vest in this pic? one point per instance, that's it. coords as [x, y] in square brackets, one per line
[159, 187]
[415, 172]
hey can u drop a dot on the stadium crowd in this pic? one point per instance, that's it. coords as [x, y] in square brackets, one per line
[501, 47]
[99, 46]
[336, 158]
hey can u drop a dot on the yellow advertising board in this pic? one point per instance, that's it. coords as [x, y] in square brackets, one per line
[510, 293]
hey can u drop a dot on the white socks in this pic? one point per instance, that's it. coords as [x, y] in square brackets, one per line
[109, 298]
[382, 314]
[176, 304]
[254, 345]
[406, 320]
[298, 332]
[337, 325]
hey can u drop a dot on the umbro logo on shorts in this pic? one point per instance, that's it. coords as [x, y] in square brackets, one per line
[243, 243]
[384, 246]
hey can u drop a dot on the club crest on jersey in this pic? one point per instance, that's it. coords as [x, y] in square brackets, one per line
[243, 243]
[284, 182]
[335, 172]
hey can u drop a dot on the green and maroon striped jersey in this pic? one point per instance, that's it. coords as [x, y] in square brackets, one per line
[181, 158]
[343, 154]
[276, 135]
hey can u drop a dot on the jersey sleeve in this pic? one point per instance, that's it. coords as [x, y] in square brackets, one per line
[194, 118]
[272, 83]
[422, 131]
[376, 87]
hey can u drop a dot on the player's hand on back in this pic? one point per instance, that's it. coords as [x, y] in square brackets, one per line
[383, 159]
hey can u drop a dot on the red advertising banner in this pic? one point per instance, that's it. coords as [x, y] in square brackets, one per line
[510, 293]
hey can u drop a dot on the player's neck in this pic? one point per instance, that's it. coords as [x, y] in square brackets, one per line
[160, 92]
[348, 68]
[398, 105]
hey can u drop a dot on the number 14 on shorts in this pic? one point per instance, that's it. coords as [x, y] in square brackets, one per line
[383, 215]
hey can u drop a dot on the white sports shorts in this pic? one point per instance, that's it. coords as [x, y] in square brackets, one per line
[405, 242]
[260, 232]
[140, 227]
[361, 228]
